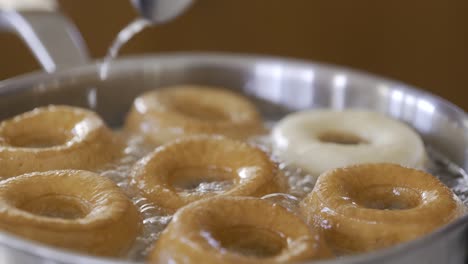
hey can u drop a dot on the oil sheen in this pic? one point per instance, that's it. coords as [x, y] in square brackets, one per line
[155, 219]
[122, 38]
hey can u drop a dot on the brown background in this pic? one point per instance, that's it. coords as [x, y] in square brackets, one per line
[421, 42]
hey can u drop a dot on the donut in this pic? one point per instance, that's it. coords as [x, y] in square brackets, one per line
[320, 140]
[372, 206]
[227, 229]
[70, 209]
[54, 138]
[174, 112]
[192, 168]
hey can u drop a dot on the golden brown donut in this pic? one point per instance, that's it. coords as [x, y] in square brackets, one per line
[237, 230]
[71, 209]
[55, 137]
[371, 206]
[189, 169]
[173, 112]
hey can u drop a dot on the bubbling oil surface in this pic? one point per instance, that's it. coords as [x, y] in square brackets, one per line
[155, 219]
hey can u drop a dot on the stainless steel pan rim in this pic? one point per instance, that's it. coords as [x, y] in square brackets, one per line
[34, 80]
[15, 83]
[25, 80]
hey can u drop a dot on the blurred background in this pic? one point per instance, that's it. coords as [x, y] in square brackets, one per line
[420, 42]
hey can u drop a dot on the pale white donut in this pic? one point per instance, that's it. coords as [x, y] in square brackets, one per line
[296, 139]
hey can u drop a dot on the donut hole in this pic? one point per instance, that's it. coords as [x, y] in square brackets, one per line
[202, 180]
[203, 112]
[56, 206]
[388, 198]
[38, 139]
[342, 138]
[250, 241]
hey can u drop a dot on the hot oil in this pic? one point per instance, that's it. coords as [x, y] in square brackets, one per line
[122, 38]
[155, 219]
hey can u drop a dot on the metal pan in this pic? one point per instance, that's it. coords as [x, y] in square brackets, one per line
[279, 86]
